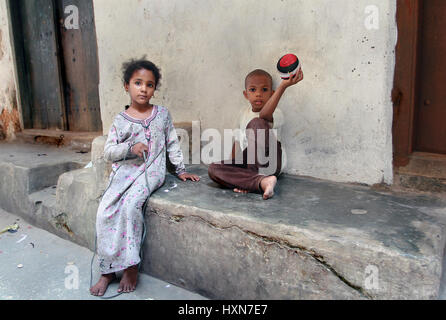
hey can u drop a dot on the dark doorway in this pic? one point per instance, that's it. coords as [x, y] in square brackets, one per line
[418, 96]
[430, 124]
[57, 67]
[419, 100]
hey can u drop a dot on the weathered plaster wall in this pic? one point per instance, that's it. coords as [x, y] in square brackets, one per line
[9, 115]
[338, 119]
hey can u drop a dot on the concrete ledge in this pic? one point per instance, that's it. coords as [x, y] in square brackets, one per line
[305, 243]
[313, 240]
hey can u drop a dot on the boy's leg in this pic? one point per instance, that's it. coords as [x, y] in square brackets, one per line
[246, 176]
[259, 144]
[235, 176]
[259, 139]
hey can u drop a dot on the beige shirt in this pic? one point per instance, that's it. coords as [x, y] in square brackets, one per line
[246, 115]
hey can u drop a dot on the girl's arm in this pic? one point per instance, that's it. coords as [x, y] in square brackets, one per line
[173, 147]
[114, 151]
[271, 105]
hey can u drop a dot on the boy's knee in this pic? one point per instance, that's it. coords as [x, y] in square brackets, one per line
[258, 123]
[211, 170]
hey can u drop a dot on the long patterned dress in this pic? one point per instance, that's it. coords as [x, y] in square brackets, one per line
[119, 221]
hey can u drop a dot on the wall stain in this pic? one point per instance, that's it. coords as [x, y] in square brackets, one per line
[10, 118]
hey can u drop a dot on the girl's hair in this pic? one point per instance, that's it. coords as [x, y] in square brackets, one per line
[129, 67]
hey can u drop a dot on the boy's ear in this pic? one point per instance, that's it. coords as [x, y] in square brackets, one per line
[245, 94]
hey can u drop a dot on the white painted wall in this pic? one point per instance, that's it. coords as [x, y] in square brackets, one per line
[9, 115]
[339, 119]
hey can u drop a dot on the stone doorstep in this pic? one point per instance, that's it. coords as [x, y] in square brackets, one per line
[76, 140]
[313, 240]
[305, 243]
[425, 172]
[28, 168]
[308, 242]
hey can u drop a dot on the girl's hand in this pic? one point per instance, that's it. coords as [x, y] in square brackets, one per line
[185, 176]
[139, 148]
[298, 77]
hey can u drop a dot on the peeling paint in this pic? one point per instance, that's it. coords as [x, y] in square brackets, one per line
[9, 123]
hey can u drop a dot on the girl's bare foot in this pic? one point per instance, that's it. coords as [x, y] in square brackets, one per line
[129, 280]
[268, 184]
[240, 190]
[101, 286]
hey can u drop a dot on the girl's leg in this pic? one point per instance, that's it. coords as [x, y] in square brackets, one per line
[129, 279]
[101, 286]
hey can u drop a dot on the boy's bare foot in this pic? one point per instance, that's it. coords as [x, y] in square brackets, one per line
[240, 190]
[129, 279]
[268, 184]
[101, 286]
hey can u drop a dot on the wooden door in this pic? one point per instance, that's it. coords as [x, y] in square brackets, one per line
[57, 67]
[41, 59]
[80, 66]
[419, 116]
[430, 123]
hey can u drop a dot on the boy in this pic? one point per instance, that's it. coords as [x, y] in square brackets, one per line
[261, 115]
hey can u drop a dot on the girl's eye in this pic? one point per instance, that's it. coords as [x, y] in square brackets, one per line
[150, 85]
[137, 83]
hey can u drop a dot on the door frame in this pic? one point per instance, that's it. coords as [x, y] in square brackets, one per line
[404, 93]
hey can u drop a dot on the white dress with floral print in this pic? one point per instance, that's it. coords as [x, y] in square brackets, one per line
[119, 220]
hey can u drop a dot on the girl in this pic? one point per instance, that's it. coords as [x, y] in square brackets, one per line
[143, 131]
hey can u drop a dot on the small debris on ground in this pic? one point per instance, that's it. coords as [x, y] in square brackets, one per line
[11, 229]
[358, 211]
[23, 238]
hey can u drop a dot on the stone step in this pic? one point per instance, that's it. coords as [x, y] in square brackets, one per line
[79, 141]
[26, 168]
[412, 182]
[425, 172]
[313, 240]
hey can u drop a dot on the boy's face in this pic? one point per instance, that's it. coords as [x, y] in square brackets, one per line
[258, 91]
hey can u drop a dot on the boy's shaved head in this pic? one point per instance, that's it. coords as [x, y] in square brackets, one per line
[258, 72]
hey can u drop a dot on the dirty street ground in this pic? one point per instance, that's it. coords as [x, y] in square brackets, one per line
[37, 265]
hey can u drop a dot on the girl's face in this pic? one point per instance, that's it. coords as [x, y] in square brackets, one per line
[141, 87]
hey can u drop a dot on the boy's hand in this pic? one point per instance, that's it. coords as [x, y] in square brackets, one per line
[138, 149]
[185, 176]
[298, 77]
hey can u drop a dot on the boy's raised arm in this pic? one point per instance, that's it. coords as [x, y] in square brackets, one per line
[271, 105]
